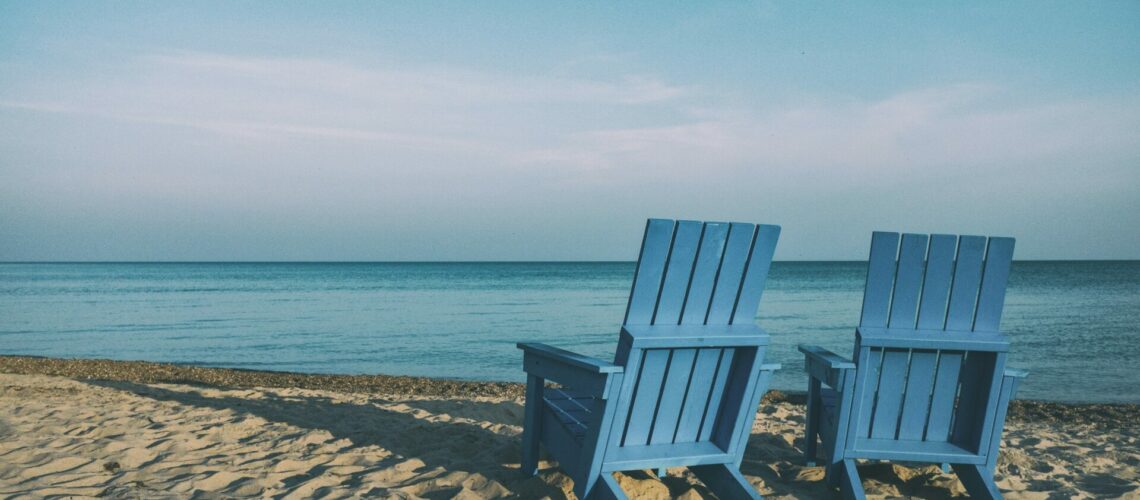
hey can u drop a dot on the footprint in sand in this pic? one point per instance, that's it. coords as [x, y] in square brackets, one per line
[1106, 485]
[1029, 442]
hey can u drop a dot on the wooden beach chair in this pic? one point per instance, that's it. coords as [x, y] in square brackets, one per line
[928, 382]
[685, 384]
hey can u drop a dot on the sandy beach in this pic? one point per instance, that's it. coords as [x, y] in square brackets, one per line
[144, 430]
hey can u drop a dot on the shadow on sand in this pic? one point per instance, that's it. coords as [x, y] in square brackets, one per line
[478, 443]
[451, 445]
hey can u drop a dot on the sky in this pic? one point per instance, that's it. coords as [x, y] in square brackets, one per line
[389, 131]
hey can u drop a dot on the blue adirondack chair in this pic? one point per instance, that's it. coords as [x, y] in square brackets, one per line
[687, 377]
[928, 383]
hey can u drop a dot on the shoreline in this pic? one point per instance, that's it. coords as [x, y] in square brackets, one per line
[148, 372]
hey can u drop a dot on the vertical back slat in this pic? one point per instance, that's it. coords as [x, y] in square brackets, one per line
[892, 378]
[736, 251]
[871, 385]
[712, 408]
[672, 396]
[649, 380]
[757, 273]
[880, 279]
[916, 403]
[632, 360]
[704, 273]
[693, 411]
[942, 397]
[680, 268]
[967, 277]
[650, 268]
[999, 257]
[908, 282]
[936, 285]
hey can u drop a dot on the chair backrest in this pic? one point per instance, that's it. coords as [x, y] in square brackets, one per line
[936, 282]
[700, 273]
[930, 356]
[691, 273]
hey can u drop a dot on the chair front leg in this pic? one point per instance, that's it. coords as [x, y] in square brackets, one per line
[837, 466]
[813, 417]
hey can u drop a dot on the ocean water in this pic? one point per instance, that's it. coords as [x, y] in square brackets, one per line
[1074, 325]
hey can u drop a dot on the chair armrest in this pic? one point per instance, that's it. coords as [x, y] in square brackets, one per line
[825, 357]
[1013, 372]
[574, 359]
[1012, 379]
[824, 365]
[567, 368]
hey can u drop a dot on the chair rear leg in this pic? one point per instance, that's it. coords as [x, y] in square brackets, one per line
[850, 486]
[978, 480]
[532, 422]
[724, 480]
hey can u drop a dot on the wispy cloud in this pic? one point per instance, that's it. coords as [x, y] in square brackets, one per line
[425, 83]
[257, 130]
[529, 121]
[964, 128]
[278, 98]
[537, 121]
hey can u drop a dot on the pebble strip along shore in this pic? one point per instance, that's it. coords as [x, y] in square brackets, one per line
[144, 372]
[1123, 417]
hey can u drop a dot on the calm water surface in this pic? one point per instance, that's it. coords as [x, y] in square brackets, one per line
[1073, 324]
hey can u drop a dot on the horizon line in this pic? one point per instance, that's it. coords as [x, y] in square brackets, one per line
[459, 261]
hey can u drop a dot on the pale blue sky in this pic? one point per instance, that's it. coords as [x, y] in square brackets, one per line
[550, 131]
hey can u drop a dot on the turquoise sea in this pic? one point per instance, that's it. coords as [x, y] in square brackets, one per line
[1075, 325]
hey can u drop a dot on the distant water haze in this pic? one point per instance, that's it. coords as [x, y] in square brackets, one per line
[1073, 323]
